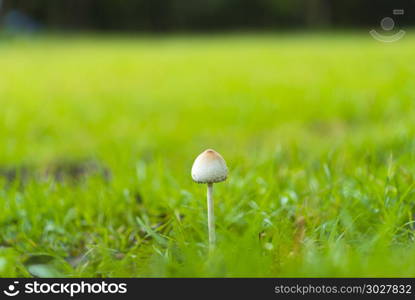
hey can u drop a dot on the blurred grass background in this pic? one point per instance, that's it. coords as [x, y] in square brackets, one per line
[317, 130]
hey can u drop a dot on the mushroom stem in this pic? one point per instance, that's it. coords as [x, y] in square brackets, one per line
[211, 216]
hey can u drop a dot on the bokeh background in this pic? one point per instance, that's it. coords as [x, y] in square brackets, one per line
[198, 15]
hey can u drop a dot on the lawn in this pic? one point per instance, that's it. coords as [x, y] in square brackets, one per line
[98, 135]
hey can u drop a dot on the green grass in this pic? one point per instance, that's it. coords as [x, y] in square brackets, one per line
[317, 130]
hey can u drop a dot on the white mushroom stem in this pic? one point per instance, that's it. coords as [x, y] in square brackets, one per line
[211, 215]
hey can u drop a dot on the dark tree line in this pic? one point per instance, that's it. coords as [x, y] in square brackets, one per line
[199, 15]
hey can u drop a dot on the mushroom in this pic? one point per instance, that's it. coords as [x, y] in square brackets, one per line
[210, 167]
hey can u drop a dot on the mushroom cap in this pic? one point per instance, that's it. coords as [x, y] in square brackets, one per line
[209, 167]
